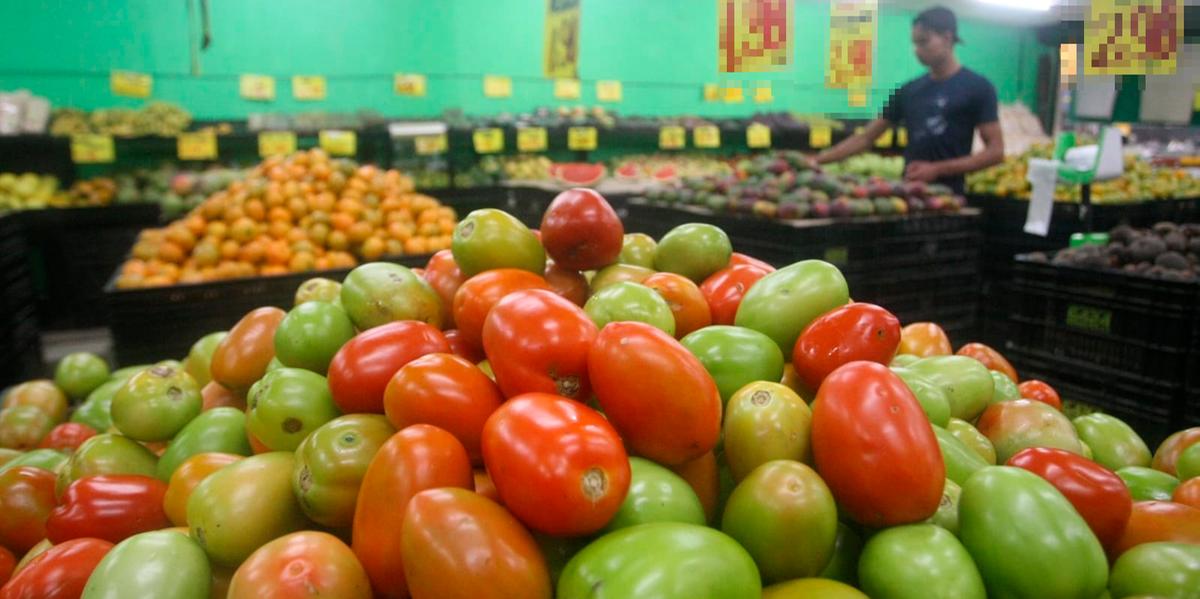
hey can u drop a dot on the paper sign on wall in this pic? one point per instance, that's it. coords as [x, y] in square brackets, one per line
[488, 141]
[257, 87]
[560, 55]
[276, 143]
[706, 136]
[497, 86]
[566, 89]
[852, 27]
[1127, 37]
[754, 35]
[338, 142]
[581, 139]
[410, 84]
[92, 149]
[198, 145]
[308, 87]
[531, 139]
[608, 91]
[131, 84]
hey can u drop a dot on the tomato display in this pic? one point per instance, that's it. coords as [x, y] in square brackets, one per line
[688, 306]
[724, 290]
[847, 334]
[361, 369]
[60, 572]
[477, 296]
[26, 500]
[242, 356]
[110, 507]
[536, 341]
[377, 293]
[581, 231]
[183, 570]
[306, 563]
[1096, 493]
[445, 391]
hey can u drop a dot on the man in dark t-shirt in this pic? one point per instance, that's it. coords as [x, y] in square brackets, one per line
[941, 111]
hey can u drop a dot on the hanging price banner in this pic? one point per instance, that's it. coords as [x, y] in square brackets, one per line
[566, 89]
[706, 136]
[409, 84]
[198, 145]
[608, 91]
[852, 27]
[754, 35]
[131, 84]
[1127, 37]
[257, 87]
[338, 142]
[672, 137]
[276, 143]
[560, 52]
[581, 138]
[763, 95]
[92, 149]
[488, 141]
[497, 86]
[758, 136]
[531, 139]
[901, 137]
[820, 136]
[428, 145]
[308, 87]
[885, 140]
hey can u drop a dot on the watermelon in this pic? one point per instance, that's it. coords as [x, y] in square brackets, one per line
[578, 174]
[629, 170]
[665, 173]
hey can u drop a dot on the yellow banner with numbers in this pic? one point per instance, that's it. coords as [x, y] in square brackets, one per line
[1132, 37]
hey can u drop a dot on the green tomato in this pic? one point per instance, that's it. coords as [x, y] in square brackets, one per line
[1027, 539]
[318, 289]
[107, 453]
[330, 465]
[966, 381]
[381, 292]
[23, 427]
[285, 405]
[665, 560]
[311, 334]
[221, 430]
[765, 421]
[488, 239]
[812, 588]
[558, 551]
[694, 250]
[903, 360]
[46, 459]
[617, 273]
[1003, 388]
[946, 515]
[918, 561]
[638, 249]
[1148, 484]
[784, 302]
[930, 395]
[162, 564]
[960, 461]
[1114, 444]
[628, 301]
[1188, 464]
[656, 495]
[156, 404]
[1085, 450]
[96, 410]
[80, 373]
[972, 439]
[273, 365]
[843, 565]
[126, 373]
[785, 516]
[199, 358]
[735, 356]
[1169, 570]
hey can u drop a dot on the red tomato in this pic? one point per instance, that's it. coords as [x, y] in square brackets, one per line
[112, 507]
[990, 358]
[1097, 493]
[557, 464]
[655, 392]
[1158, 521]
[26, 500]
[59, 573]
[8, 562]
[484, 485]
[866, 421]
[687, 303]
[703, 475]
[67, 436]
[217, 396]
[538, 341]
[570, 284]
[446, 391]
[1188, 493]
[924, 339]
[737, 259]
[243, 355]
[724, 289]
[301, 564]
[1040, 391]
[479, 293]
[360, 370]
[417, 458]
[845, 334]
[1168, 452]
[459, 347]
[443, 275]
[581, 231]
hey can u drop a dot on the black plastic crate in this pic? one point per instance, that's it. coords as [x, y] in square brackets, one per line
[20, 348]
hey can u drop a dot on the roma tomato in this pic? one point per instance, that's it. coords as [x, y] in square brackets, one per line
[1188, 493]
[198, 362]
[58, 573]
[1158, 521]
[1040, 391]
[784, 302]
[360, 371]
[617, 273]
[967, 384]
[1188, 464]
[972, 439]
[812, 588]
[1015, 425]
[301, 564]
[991, 358]
[961, 462]
[286, 406]
[865, 421]
[703, 475]
[488, 239]
[537, 341]
[737, 259]
[41, 394]
[656, 494]
[107, 454]
[683, 297]
[638, 249]
[1114, 444]
[80, 373]
[694, 250]
[655, 392]
[110, 507]
[213, 395]
[311, 334]
[23, 427]
[442, 273]
[460, 348]
[445, 391]
[161, 564]
[929, 393]
[557, 464]
[723, 290]
[629, 301]
[187, 477]
[45, 459]
[571, 285]
[765, 421]
[377, 293]
[1147, 483]
[1097, 494]
[242, 356]
[735, 357]
[845, 334]
[220, 430]
[1156, 570]
[67, 436]
[26, 500]
[581, 231]
[417, 458]
[479, 294]
[917, 561]
[331, 462]
[493, 557]
[156, 403]
[924, 339]
[1168, 452]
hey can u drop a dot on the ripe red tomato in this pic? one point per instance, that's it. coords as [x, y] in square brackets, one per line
[360, 371]
[557, 464]
[991, 358]
[459, 347]
[1158, 521]
[1097, 493]
[538, 341]
[443, 275]
[8, 562]
[655, 392]
[1040, 391]
[301, 564]
[417, 458]
[67, 436]
[924, 339]
[570, 284]
[737, 259]
[845, 334]
[446, 391]
[581, 231]
[687, 303]
[476, 297]
[112, 507]
[724, 289]
[59, 573]
[1168, 452]
[866, 421]
[26, 500]
[1188, 493]
[243, 355]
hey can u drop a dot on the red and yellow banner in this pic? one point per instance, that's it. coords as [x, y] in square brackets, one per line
[561, 54]
[754, 36]
[853, 24]
[1132, 37]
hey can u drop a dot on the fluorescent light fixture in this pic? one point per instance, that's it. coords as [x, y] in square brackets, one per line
[1039, 5]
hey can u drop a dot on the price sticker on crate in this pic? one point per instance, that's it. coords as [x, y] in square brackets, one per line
[567, 89]
[531, 139]
[196, 145]
[497, 86]
[260, 88]
[581, 139]
[758, 135]
[308, 87]
[338, 142]
[276, 143]
[609, 91]
[410, 84]
[820, 136]
[706, 136]
[885, 140]
[131, 84]
[672, 137]
[92, 149]
[488, 141]
[428, 145]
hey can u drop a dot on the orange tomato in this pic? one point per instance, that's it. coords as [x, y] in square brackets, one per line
[1158, 521]
[703, 476]
[478, 294]
[187, 477]
[990, 358]
[242, 356]
[687, 303]
[924, 339]
[215, 396]
[302, 564]
[1168, 452]
[1188, 493]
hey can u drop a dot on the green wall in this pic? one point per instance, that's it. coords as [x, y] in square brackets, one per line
[662, 50]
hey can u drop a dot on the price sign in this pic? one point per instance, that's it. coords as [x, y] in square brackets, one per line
[734, 95]
[858, 99]
[428, 145]
[257, 87]
[276, 143]
[672, 137]
[608, 91]
[531, 139]
[131, 84]
[706, 136]
[758, 135]
[712, 92]
[901, 137]
[581, 138]
[763, 95]
[339, 142]
[566, 89]
[92, 149]
[488, 141]
[199, 145]
[308, 87]
[409, 84]
[820, 136]
[885, 140]
[497, 86]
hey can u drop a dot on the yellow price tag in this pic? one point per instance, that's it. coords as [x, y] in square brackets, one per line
[885, 140]
[763, 95]
[733, 95]
[706, 136]
[488, 141]
[131, 84]
[410, 84]
[197, 145]
[428, 145]
[820, 136]
[257, 87]
[858, 99]
[901, 137]
[531, 139]
[308, 87]
[566, 89]
[276, 143]
[608, 91]
[92, 149]
[672, 137]
[338, 142]
[758, 135]
[1124, 128]
[712, 92]
[581, 138]
[497, 86]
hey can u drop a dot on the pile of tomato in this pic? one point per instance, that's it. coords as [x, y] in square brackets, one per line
[575, 412]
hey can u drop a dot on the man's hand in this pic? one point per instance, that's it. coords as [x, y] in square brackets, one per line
[920, 170]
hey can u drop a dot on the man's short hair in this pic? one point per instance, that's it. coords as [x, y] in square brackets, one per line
[939, 19]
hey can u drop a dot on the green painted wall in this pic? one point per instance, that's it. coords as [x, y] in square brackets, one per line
[662, 50]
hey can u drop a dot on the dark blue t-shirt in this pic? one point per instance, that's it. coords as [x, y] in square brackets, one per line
[941, 116]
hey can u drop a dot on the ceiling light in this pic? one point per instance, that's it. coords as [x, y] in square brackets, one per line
[1040, 5]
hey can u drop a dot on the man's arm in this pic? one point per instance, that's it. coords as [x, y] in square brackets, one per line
[993, 153]
[859, 142]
